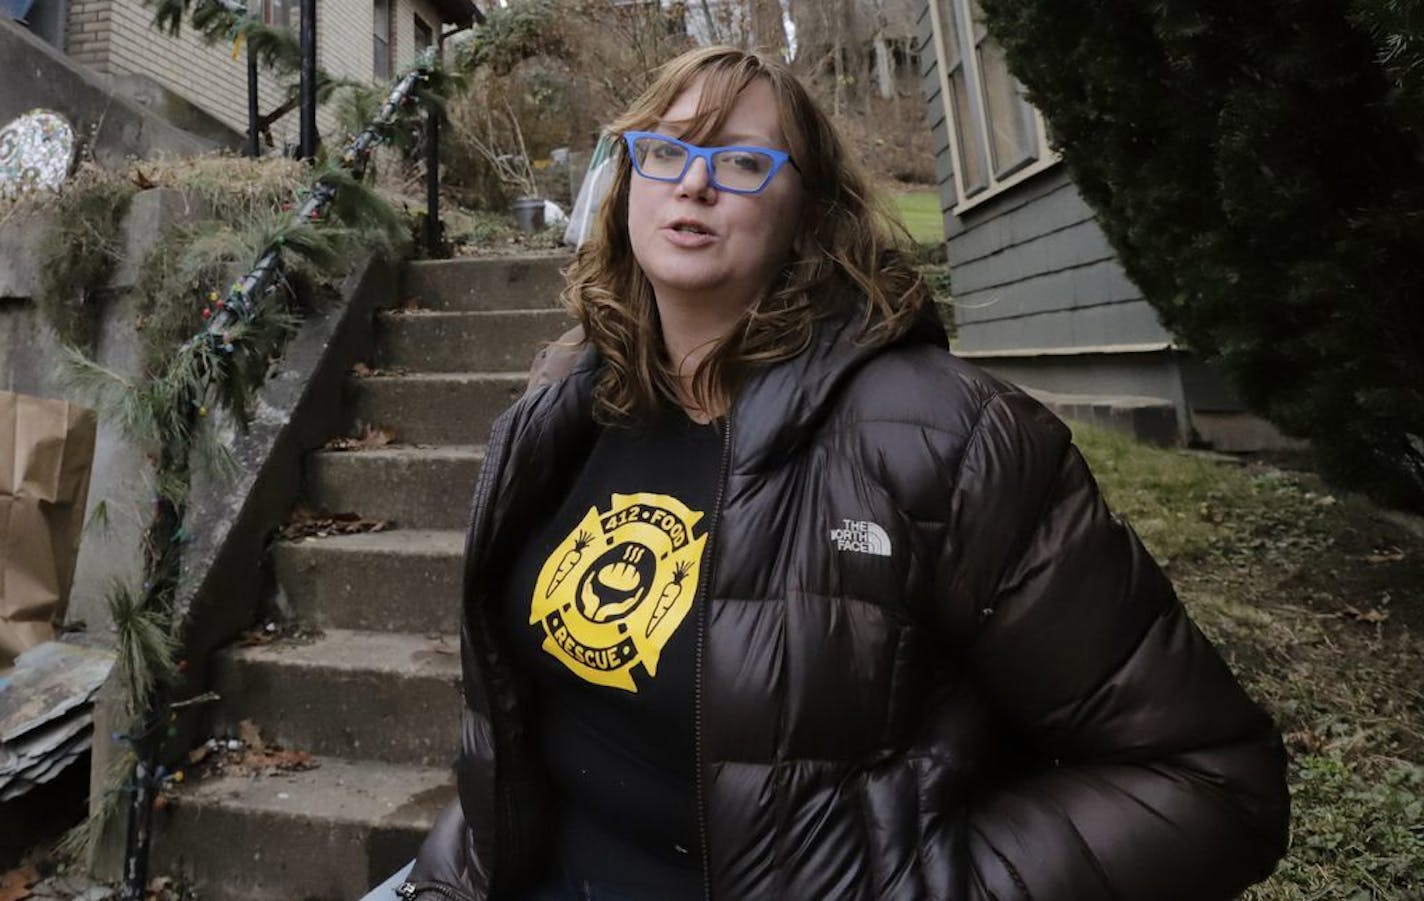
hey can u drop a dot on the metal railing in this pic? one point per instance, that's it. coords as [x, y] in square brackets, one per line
[309, 139]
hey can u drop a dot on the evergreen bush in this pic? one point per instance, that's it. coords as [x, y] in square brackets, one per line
[1259, 168]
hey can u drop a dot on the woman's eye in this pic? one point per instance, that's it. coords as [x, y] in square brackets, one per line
[667, 152]
[748, 162]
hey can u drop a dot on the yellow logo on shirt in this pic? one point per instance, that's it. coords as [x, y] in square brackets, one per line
[615, 590]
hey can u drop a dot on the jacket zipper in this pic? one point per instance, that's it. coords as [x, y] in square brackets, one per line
[705, 585]
[412, 890]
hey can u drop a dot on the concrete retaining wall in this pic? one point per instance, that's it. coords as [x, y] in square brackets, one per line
[34, 74]
[31, 362]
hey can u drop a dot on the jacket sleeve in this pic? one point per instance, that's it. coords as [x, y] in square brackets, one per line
[1164, 780]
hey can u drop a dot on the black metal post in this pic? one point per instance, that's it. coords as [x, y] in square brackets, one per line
[254, 149]
[434, 239]
[307, 149]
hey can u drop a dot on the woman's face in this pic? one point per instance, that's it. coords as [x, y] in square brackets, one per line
[696, 241]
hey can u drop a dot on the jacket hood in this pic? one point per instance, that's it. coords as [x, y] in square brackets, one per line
[781, 404]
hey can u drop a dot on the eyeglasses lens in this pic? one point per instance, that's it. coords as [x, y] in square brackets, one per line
[659, 159]
[736, 170]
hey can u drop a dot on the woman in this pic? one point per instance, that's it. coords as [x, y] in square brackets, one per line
[768, 596]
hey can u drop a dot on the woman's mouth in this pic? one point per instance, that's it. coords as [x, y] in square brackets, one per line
[689, 234]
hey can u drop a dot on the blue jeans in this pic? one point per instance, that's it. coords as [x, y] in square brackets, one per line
[561, 887]
[557, 887]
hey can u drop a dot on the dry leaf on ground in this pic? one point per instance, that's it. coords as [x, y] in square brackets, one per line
[16, 884]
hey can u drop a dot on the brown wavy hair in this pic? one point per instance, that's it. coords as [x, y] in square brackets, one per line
[848, 257]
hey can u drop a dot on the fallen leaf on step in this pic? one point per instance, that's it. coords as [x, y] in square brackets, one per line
[1373, 615]
[16, 884]
[1385, 555]
[249, 733]
[410, 304]
[361, 371]
[305, 523]
[369, 438]
[442, 648]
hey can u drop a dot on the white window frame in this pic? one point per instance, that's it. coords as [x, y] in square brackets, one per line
[979, 127]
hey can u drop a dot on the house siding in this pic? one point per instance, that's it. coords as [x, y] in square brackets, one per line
[1032, 270]
[1029, 268]
[928, 56]
[118, 37]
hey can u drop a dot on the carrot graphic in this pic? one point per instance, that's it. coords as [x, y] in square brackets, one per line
[570, 560]
[671, 592]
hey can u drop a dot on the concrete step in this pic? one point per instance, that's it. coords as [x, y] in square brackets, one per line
[503, 283]
[444, 341]
[414, 487]
[435, 408]
[398, 581]
[354, 694]
[327, 834]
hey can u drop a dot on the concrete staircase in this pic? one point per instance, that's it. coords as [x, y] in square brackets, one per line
[375, 698]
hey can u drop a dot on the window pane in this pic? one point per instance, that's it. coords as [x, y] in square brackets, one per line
[381, 19]
[950, 28]
[1013, 139]
[966, 136]
[380, 58]
[980, 29]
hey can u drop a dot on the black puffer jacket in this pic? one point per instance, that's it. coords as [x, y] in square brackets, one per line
[980, 686]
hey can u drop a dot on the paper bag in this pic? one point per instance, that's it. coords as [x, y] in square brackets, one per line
[46, 449]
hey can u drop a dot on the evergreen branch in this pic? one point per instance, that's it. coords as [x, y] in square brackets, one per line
[168, 15]
[81, 843]
[145, 648]
[113, 397]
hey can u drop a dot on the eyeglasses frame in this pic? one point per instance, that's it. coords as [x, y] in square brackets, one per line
[779, 158]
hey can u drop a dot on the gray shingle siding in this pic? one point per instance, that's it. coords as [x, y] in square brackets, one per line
[1031, 270]
[1039, 295]
[934, 109]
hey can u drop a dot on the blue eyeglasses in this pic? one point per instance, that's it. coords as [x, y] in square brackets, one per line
[739, 170]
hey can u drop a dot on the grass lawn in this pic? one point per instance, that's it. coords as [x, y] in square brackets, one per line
[1317, 602]
[919, 210]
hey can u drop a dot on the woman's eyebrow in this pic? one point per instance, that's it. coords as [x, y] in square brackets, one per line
[760, 140]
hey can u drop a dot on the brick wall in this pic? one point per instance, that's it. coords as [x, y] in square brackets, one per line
[87, 37]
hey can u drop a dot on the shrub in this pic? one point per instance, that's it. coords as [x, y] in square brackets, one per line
[79, 252]
[1259, 169]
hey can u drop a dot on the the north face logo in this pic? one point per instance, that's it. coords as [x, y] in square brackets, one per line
[862, 537]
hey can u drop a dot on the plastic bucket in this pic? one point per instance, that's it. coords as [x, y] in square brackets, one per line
[529, 213]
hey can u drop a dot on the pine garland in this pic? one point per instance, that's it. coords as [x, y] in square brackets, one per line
[169, 412]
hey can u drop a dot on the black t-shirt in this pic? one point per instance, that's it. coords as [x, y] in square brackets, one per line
[598, 611]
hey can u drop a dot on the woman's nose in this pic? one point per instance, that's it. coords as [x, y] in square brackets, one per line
[697, 180]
